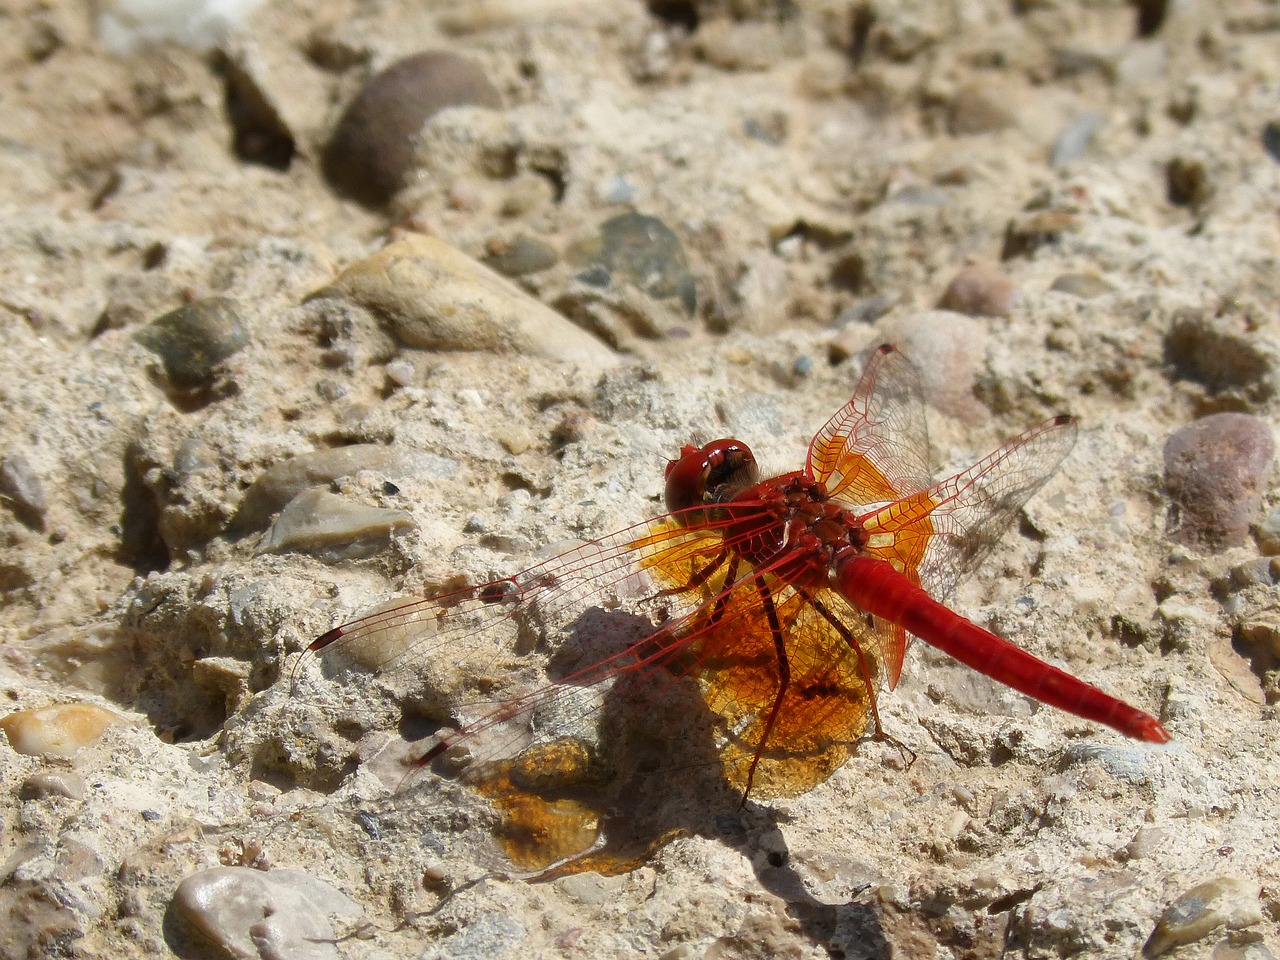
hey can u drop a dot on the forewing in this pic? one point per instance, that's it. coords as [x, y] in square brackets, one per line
[876, 448]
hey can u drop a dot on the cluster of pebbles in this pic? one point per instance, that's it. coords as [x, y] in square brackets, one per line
[310, 305]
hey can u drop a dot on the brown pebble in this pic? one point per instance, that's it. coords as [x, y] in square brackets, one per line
[372, 147]
[975, 109]
[1215, 470]
[980, 289]
[59, 730]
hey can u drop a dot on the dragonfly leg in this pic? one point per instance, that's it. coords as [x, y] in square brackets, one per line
[864, 667]
[784, 678]
[703, 575]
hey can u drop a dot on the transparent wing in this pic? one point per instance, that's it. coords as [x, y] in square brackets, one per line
[876, 448]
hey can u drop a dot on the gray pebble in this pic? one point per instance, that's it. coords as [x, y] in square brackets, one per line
[1085, 286]
[52, 783]
[372, 147]
[20, 486]
[1074, 142]
[520, 256]
[246, 913]
[194, 339]
[1215, 470]
[641, 251]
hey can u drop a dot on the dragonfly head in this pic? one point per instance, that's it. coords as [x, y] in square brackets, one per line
[710, 474]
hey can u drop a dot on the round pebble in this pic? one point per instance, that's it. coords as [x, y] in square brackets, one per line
[980, 289]
[194, 339]
[243, 912]
[1215, 470]
[58, 731]
[520, 256]
[641, 251]
[947, 348]
[976, 109]
[372, 147]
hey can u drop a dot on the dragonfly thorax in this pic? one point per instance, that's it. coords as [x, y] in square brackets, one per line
[789, 526]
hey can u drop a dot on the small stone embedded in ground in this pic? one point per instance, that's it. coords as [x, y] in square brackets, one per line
[58, 731]
[1074, 142]
[1085, 286]
[1027, 233]
[434, 297]
[1215, 471]
[519, 256]
[1193, 916]
[333, 528]
[1269, 533]
[52, 783]
[947, 348]
[194, 339]
[641, 251]
[978, 109]
[244, 913]
[372, 148]
[980, 289]
[21, 488]
[280, 483]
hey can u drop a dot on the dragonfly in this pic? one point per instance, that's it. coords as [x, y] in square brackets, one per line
[788, 601]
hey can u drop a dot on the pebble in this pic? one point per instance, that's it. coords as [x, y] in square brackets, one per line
[1074, 142]
[980, 289]
[1271, 139]
[194, 339]
[124, 26]
[52, 783]
[1028, 232]
[333, 528]
[372, 148]
[1086, 286]
[639, 250]
[1187, 182]
[281, 483]
[1269, 533]
[434, 297]
[1215, 470]
[975, 109]
[21, 488]
[58, 731]
[947, 348]
[519, 256]
[247, 913]
[1220, 902]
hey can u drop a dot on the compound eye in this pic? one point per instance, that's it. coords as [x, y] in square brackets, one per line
[710, 474]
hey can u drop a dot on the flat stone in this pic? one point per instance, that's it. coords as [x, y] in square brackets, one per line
[434, 297]
[251, 914]
[332, 527]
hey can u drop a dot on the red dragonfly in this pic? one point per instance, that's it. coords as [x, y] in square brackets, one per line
[788, 599]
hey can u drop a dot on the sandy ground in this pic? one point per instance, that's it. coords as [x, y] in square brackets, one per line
[828, 168]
